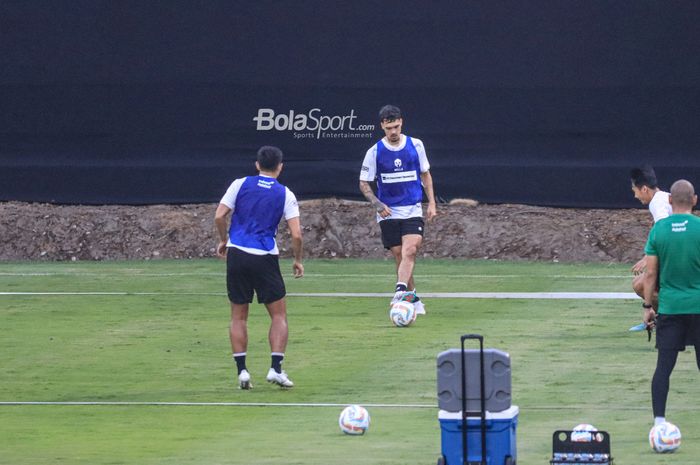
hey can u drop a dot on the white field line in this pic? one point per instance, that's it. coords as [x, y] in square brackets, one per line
[433, 295]
[311, 404]
[474, 276]
[321, 275]
[126, 274]
[215, 404]
[489, 295]
[117, 293]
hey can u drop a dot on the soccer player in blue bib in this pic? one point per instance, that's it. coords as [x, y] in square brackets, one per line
[400, 167]
[258, 204]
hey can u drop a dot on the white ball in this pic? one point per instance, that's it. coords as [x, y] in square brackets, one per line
[402, 313]
[354, 419]
[665, 437]
[583, 432]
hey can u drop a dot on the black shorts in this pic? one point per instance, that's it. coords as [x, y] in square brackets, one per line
[246, 273]
[677, 331]
[394, 230]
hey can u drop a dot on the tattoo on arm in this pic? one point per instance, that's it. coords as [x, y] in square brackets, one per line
[366, 190]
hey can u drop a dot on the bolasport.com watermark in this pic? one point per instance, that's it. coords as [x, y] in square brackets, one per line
[313, 124]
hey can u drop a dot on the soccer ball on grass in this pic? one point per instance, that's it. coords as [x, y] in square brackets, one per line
[665, 437]
[402, 313]
[354, 420]
[584, 433]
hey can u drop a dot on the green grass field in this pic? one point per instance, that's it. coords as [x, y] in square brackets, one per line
[166, 341]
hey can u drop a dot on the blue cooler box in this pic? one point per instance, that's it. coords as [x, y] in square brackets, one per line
[500, 437]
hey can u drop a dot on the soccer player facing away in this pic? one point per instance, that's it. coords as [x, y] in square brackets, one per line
[646, 190]
[400, 166]
[258, 204]
[673, 256]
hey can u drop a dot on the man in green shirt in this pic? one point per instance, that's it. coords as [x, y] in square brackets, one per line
[673, 255]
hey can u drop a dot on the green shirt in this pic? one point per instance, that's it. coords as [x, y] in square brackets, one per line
[676, 242]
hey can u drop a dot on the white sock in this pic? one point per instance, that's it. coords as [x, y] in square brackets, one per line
[659, 420]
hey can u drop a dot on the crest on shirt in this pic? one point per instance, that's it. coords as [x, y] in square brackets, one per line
[397, 163]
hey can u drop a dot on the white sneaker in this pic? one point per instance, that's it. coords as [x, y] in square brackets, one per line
[244, 380]
[279, 378]
[420, 308]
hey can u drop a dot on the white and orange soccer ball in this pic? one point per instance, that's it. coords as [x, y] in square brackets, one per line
[583, 433]
[402, 313]
[665, 437]
[354, 420]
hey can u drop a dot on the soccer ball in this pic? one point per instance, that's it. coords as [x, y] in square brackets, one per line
[402, 313]
[665, 437]
[582, 433]
[354, 420]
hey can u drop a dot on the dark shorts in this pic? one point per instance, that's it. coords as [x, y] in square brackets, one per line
[246, 273]
[394, 230]
[677, 331]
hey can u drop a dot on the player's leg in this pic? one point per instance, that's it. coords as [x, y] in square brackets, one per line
[391, 240]
[278, 337]
[271, 291]
[638, 287]
[278, 334]
[396, 253]
[411, 284]
[670, 339]
[240, 294]
[238, 329]
[410, 244]
[409, 249]
[279, 328]
[694, 337]
[238, 334]
[411, 241]
[660, 383]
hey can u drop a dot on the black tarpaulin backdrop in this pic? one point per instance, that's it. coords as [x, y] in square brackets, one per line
[547, 103]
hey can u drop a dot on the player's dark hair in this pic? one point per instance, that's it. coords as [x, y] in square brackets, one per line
[269, 157]
[389, 113]
[644, 176]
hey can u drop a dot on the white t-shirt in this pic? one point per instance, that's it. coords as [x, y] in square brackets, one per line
[291, 210]
[659, 207]
[369, 174]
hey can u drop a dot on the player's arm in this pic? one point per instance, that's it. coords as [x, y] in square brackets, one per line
[650, 278]
[294, 226]
[378, 205]
[427, 180]
[367, 175]
[221, 223]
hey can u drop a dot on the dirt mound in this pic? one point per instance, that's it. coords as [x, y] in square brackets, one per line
[332, 228]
